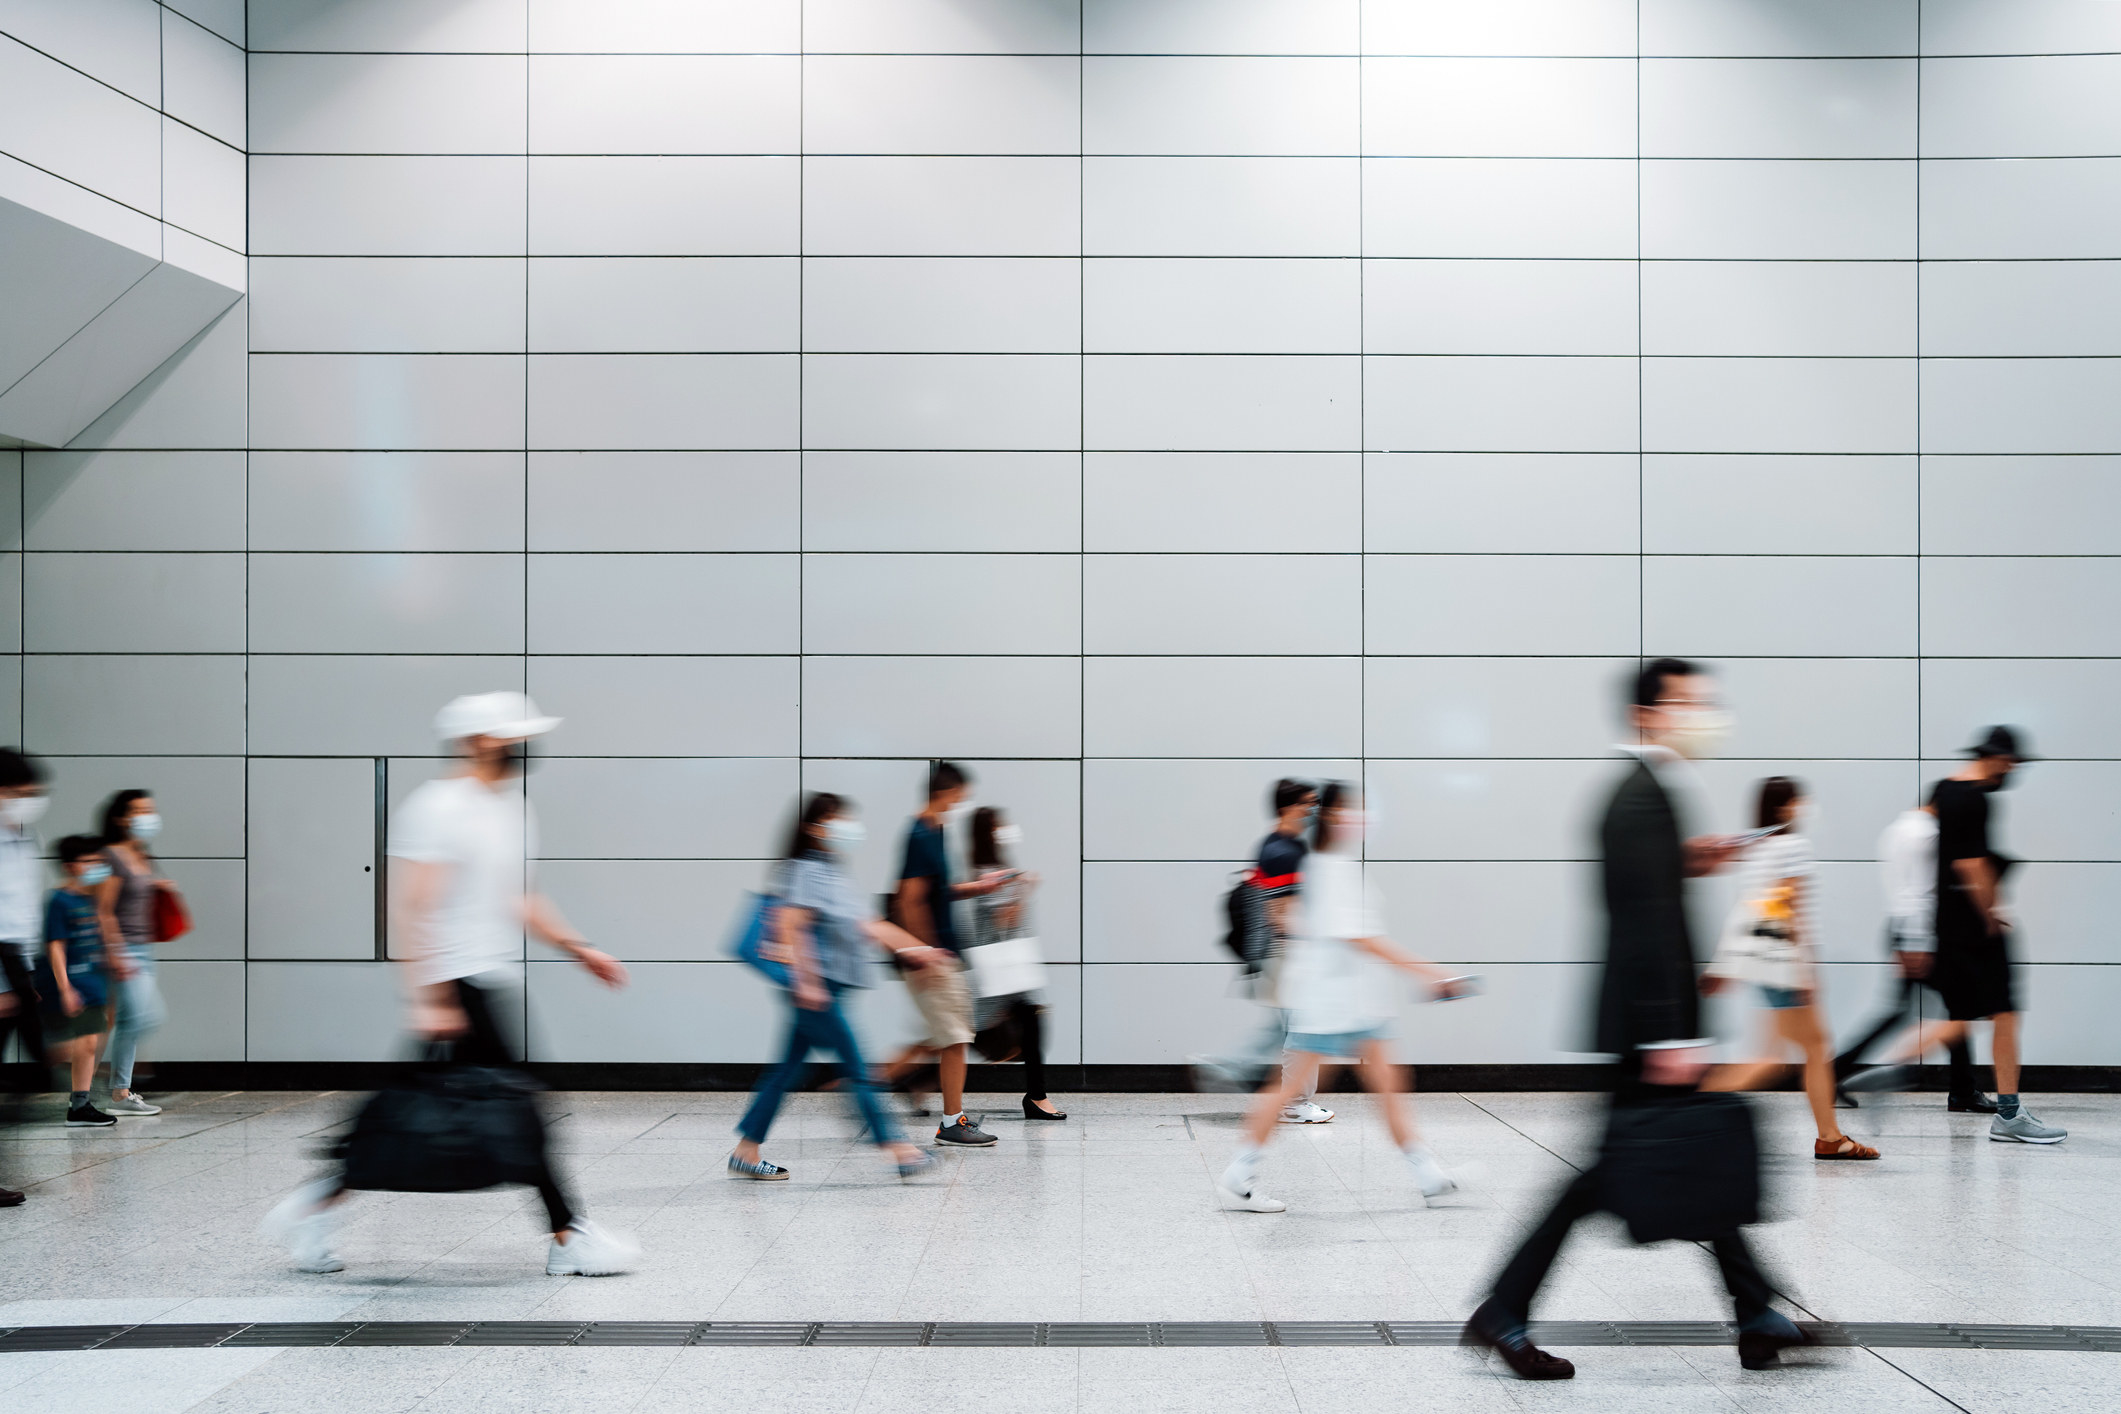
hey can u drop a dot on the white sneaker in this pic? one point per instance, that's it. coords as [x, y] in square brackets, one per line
[1249, 1199]
[131, 1105]
[591, 1251]
[1429, 1176]
[1306, 1112]
[303, 1222]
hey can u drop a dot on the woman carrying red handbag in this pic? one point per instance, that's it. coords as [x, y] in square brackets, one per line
[138, 908]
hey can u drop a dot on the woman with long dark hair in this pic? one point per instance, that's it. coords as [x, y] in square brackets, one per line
[1768, 942]
[826, 933]
[1002, 915]
[1338, 985]
[125, 904]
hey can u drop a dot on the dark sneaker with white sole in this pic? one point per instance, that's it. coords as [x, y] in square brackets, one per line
[965, 1132]
[88, 1117]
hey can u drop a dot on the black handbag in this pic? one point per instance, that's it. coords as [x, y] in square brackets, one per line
[1686, 1168]
[447, 1129]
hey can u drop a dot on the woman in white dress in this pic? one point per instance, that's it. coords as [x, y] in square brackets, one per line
[1768, 942]
[1337, 982]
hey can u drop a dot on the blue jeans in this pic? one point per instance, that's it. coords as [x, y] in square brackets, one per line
[139, 1012]
[825, 1029]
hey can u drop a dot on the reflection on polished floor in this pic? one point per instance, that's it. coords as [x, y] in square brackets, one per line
[1109, 1217]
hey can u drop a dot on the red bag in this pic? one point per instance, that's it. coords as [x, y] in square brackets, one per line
[172, 920]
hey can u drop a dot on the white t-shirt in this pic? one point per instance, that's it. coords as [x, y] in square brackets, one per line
[21, 889]
[1746, 956]
[487, 837]
[1330, 986]
[1907, 861]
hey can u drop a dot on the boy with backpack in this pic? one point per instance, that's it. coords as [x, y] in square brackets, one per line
[1262, 910]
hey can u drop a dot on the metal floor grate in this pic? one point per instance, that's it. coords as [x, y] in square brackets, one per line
[960, 1334]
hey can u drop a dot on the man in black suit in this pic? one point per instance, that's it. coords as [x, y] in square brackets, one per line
[1648, 1011]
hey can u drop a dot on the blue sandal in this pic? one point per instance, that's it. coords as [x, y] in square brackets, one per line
[762, 1171]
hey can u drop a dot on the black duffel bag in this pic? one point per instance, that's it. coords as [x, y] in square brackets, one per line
[447, 1129]
[1686, 1168]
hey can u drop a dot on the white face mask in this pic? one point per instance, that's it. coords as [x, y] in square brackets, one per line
[145, 827]
[1008, 836]
[1697, 733]
[844, 832]
[23, 811]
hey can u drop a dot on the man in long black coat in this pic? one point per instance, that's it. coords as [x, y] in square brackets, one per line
[1648, 1009]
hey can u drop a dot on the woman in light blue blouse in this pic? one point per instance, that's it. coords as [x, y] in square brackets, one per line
[826, 934]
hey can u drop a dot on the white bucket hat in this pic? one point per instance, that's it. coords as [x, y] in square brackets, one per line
[505, 716]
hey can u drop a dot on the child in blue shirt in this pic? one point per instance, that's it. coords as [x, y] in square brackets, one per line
[71, 977]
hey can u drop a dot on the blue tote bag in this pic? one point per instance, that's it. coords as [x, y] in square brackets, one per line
[753, 943]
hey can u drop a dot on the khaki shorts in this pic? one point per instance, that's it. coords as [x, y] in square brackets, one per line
[945, 1003]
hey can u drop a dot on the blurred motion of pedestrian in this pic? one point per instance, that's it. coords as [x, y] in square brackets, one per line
[1000, 918]
[127, 902]
[1907, 867]
[74, 976]
[1268, 897]
[1771, 943]
[827, 936]
[1337, 982]
[22, 804]
[924, 907]
[461, 899]
[1648, 1011]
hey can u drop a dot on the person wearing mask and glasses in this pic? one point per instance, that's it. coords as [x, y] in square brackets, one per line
[22, 803]
[828, 937]
[126, 904]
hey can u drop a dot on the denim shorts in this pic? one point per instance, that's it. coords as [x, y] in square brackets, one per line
[1781, 998]
[1335, 1045]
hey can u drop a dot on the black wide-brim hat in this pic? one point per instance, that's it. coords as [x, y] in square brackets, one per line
[2001, 741]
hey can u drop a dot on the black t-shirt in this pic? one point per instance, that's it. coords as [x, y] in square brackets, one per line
[1962, 833]
[1281, 860]
[928, 859]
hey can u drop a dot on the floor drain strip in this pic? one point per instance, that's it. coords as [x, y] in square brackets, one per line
[1049, 1334]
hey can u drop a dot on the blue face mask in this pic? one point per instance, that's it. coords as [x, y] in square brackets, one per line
[145, 827]
[94, 874]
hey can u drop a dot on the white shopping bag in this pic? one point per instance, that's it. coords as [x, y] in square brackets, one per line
[1007, 968]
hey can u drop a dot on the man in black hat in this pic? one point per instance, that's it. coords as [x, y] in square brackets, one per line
[1973, 971]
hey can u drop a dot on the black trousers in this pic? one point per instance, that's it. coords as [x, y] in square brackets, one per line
[485, 1043]
[1031, 1026]
[25, 1020]
[1522, 1276]
[1901, 1009]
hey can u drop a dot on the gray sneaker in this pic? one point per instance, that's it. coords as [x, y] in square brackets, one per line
[131, 1105]
[968, 1134]
[2022, 1128]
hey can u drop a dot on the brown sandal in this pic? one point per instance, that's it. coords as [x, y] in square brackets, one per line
[1842, 1148]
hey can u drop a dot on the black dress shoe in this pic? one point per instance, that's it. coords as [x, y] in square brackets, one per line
[1762, 1350]
[9, 1197]
[1843, 1100]
[1032, 1111]
[1976, 1104]
[1493, 1328]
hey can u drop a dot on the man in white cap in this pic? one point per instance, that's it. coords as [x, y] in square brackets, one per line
[461, 899]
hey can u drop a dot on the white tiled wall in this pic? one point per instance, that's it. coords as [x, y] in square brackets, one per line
[1138, 399]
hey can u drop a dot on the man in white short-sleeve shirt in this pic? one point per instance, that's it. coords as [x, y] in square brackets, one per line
[460, 903]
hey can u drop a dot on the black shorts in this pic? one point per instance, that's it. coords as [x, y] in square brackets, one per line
[1973, 977]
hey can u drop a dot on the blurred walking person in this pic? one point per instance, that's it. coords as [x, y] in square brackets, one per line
[924, 906]
[1338, 984]
[1648, 1012]
[128, 903]
[1770, 942]
[22, 804]
[1268, 899]
[1974, 970]
[1907, 867]
[1001, 920]
[826, 934]
[461, 899]
[74, 975]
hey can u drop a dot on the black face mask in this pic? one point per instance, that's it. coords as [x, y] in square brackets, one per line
[2002, 782]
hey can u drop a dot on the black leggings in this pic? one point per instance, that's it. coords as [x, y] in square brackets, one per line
[1031, 1026]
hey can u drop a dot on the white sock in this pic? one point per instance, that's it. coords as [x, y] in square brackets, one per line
[958, 1118]
[1244, 1167]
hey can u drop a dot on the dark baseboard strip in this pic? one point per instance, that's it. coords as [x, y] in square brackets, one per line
[981, 1079]
[399, 1334]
